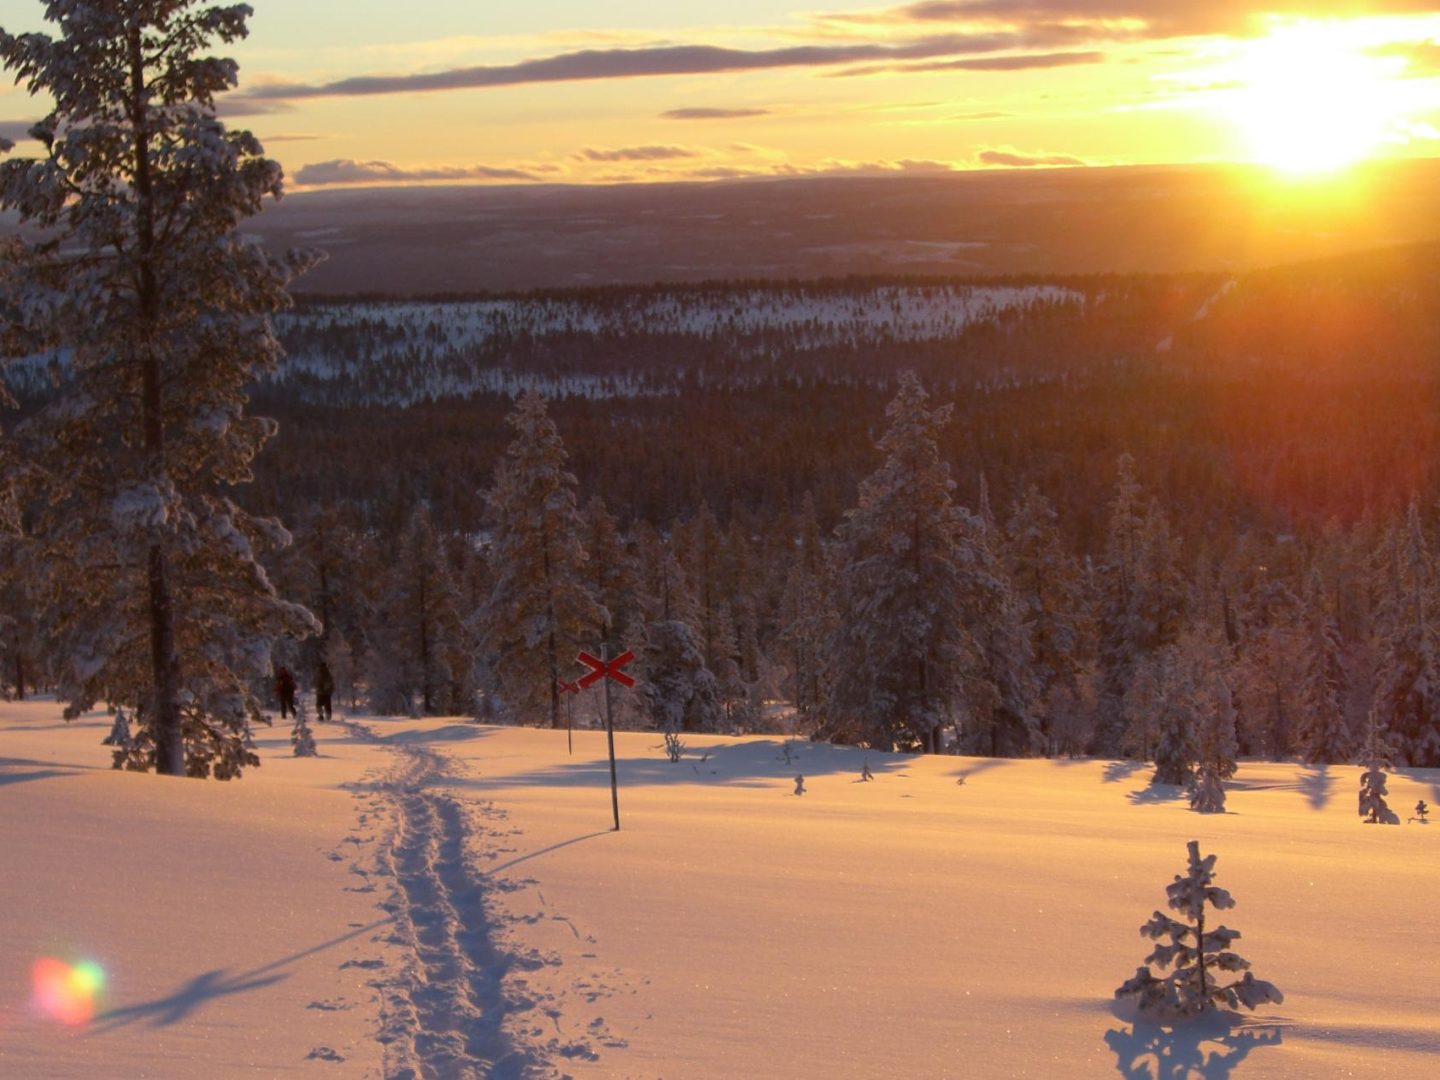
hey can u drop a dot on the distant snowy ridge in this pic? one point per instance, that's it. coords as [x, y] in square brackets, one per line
[402, 353]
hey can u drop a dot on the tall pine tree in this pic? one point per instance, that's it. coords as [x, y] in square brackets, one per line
[899, 660]
[154, 310]
[541, 611]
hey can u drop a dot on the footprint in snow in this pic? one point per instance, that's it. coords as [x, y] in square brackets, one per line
[323, 1053]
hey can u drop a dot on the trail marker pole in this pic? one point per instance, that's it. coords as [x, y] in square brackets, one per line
[569, 688]
[604, 669]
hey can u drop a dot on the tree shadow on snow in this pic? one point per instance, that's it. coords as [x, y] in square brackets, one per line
[1115, 771]
[450, 733]
[40, 770]
[1210, 1046]
[754, 763]
[1157, 793]
[975, 766]
[1428, 777]
[181, 1003]
[1317, 784]
[518, 859]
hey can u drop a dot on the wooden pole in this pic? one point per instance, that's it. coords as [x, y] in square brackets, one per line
[610, 736]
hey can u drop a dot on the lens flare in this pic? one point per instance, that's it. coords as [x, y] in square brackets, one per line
[66, 993]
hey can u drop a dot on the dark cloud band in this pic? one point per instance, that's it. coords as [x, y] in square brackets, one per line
[661, 60]
[347, 171]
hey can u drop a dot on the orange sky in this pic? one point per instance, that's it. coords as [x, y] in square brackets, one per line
[353, 91]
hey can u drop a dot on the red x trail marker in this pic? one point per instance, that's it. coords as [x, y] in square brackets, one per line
[606, 669]
[567, 687]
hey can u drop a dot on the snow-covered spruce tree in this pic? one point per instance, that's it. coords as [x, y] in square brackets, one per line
[679, 691]
[540, 612]
[420, 647]
[1047, 585]
[1270, 653]
[1143, 706]
[1376, 755]
[1140, 603]
[613, 575]
[807, 616]
[1407, 679]
[1199, 958]
[907, 586]
[1323, 734]
[1177, 743]
[154, 310]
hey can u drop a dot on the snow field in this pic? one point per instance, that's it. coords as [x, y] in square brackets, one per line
[233, 932]
[442, 899]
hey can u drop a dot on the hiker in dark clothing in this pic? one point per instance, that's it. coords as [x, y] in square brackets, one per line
[324, 688]
[285, 691]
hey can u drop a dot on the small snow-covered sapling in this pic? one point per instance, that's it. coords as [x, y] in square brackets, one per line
[119, 736]
[799, 784]
[301, 738]
[865, 773]
[1198, 957]
[1207, 795]
[1421, 811]
[674, 747]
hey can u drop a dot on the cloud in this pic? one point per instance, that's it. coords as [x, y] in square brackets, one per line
[1018, 62]
[243, 104]
[16, 130]
[291, 138]
[980, 116]
[711, 114]
[832, 168]
[663, 60]
[347, 171]
[1129, 18]
[637, 153]
[1013, 159]
[1422, 58]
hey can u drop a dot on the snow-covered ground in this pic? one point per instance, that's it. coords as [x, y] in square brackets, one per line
[437, 898]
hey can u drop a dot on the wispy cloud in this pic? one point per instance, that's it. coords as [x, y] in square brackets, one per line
[1017, 62]
[637, 153]
[1422, 58]
[1014, 159]
[659, 60]
[347, 171]
[242, 104]
[15, 130]
[1126, 18]
[711, 114]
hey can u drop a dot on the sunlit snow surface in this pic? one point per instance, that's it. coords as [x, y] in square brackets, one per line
[910, 926]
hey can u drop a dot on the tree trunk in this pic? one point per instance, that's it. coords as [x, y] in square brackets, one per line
[165, 719]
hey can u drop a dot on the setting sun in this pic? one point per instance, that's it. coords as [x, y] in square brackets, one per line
[1311, 101]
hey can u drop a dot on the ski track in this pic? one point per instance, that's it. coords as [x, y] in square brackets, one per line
[458, 1008]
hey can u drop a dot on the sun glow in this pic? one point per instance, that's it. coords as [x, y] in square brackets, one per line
[1309, 99]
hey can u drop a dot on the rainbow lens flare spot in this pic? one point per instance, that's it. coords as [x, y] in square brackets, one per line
[66, 993]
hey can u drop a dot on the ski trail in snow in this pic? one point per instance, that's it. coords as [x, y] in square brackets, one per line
[460, 1007]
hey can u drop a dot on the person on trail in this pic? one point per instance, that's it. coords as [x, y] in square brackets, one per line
[1421, 810]
[324, 688]
[285, 691]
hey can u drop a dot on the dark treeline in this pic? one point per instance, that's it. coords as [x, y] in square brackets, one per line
[1195, 497]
